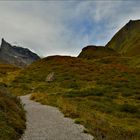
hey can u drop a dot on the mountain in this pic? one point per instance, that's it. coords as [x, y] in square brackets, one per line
[103, 94]
[93, 52]
[127, 40]
[16, 55]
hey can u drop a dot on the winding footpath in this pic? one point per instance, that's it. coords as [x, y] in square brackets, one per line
[48, 123]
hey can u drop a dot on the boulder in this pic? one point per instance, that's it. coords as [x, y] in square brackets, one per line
[50, 77]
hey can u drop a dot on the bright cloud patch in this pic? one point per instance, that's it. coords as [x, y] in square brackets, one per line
[63, 28]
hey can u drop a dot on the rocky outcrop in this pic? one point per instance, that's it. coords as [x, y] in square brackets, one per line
[50, 77]
[16, 55]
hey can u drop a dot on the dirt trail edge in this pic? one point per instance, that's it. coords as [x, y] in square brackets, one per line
[48, 123]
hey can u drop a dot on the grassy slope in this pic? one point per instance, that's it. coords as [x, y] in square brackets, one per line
[127, 40]
[135, 61]
[12, 120]
[101, 94]
[96, 52]
[8, 73]
[12, 115]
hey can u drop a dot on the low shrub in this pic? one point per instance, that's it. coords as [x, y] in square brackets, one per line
[69, 84]
[129, 108]
[12, 116]
[85, 92]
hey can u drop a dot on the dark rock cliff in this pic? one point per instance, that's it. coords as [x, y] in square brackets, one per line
[16, 55]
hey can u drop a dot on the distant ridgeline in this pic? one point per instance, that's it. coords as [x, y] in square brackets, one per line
[92, 51]
[16, 55]
[125, 42]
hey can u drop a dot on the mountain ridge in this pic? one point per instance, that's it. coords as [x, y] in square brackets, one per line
[16, 55]
[127, 40]
[94, 52]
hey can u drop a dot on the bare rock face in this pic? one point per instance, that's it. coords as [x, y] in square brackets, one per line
[16, 55]
[50, 77]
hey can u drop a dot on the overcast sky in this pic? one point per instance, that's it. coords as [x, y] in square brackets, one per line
[64, 27]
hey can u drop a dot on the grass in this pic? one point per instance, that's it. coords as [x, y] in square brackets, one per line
[127, 40]
[12, 116]
[129, 108]
[95, 52]
[101, 94]
[8, 73]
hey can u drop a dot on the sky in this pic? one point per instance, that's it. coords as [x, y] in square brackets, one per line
[60, 27]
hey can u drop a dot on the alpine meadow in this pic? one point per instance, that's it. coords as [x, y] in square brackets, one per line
[98, 89]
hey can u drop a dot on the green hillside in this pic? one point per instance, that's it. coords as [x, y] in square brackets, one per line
[95, 52]
[127, 40]
[101, 94]
[12, 115]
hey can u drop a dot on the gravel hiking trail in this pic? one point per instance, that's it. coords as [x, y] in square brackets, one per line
[48, 123]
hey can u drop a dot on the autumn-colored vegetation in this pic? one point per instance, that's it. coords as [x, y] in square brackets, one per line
[96, 52]
[127, 40]
[100, 89]
[12, 114]
[102, 94]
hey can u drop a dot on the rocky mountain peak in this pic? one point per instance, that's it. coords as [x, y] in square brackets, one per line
[4, 44]
[16, 55]
[3, 41]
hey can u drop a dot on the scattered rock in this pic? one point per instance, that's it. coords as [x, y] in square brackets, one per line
[50, 77]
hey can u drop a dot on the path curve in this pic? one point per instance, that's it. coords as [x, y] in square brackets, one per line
[48, 123]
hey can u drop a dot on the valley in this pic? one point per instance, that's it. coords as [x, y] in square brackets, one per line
[99, 89]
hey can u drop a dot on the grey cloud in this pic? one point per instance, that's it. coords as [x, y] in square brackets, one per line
[43, 26]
